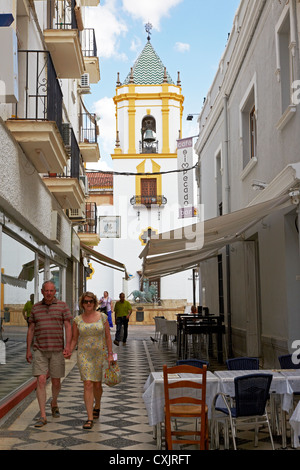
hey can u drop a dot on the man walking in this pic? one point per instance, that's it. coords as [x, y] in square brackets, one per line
[47, 322]
[122, 310]
[27, 308]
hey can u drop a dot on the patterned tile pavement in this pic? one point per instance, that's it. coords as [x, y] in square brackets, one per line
[123, 423]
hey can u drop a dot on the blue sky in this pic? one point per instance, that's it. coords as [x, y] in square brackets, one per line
[190, 36]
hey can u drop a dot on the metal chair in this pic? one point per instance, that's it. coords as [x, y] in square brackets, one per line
[160, 327]
[243, 363]
[157, 327]
[286, 362]
[171, 329]
[193, 362]
[251, 396]
[180, 406]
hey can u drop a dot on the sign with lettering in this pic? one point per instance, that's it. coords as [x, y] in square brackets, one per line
[185, 178]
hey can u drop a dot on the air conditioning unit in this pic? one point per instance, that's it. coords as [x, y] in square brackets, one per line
[77, 214]
[84, 86]
[55, 235]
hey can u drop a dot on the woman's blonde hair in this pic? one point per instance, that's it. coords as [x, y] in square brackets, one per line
[88, 294]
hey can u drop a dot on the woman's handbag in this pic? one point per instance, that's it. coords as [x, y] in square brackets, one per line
[112, 374]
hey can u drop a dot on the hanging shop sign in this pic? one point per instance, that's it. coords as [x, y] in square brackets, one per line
[185, 178]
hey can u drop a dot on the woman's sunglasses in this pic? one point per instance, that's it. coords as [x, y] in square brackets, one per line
[88, 301]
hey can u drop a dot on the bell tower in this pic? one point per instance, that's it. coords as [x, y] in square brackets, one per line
[148, 110]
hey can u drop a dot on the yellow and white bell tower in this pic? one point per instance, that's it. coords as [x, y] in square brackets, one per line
[149, 110]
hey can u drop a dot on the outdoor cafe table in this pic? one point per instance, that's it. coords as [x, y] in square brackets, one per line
[279, 385]
[154, 398]
[189, 324]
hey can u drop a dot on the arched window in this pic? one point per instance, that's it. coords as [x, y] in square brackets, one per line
[148, 134]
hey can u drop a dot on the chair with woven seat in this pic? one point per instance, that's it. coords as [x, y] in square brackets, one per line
[243, 363]
[191, 404]
[193, 362]
[251, 396]
[286, 362]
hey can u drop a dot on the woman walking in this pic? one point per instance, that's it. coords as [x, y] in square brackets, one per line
[106, 306]
[91, 331]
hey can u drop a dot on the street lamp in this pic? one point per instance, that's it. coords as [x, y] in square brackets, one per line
[190, 117]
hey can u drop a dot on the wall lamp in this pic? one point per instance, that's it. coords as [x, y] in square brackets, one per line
[190, 117]
[258, 185]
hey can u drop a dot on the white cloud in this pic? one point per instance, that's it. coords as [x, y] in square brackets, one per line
[135, 44]
[109, 28]
[150, 10]
[105, 109]
[182, 47]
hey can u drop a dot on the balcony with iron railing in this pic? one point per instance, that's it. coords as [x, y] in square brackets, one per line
[68, 187]
[89, 51]
[148, 201]
[37, 120]
[88, 231]
[88, 137]
[62, 38]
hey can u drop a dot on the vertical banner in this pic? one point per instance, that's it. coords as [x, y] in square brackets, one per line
[185, 178]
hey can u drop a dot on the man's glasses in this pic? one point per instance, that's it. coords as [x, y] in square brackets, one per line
[88, 301]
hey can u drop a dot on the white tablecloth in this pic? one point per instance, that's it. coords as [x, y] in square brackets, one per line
[293, 379]
[295, 423]
[154, 393]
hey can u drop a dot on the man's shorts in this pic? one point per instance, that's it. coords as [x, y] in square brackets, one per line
[54, 362]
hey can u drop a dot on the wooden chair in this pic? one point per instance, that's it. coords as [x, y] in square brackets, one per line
[180, 406]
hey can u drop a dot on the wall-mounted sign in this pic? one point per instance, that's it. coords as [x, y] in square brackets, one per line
[109, 226]
[185, 178]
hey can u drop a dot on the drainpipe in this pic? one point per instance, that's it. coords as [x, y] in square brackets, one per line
[225, 160]
[226, 205]
[298, 213]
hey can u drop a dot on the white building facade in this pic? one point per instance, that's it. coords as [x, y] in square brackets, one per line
[248, 149]
[46, 137]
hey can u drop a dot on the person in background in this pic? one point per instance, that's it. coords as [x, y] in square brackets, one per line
[91, 332]
[123, 311]
[106, 306]
[27, 308]
[48, 321]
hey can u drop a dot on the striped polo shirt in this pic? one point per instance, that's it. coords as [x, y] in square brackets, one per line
[49, 320]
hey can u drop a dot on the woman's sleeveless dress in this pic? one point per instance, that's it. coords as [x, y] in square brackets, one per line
[91, 351]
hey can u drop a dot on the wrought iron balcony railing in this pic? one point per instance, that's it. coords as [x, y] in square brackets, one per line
[148, 201]
[76, 168]
[91, 219]
[62, 14]
[149, 147]
[88, 128]
[42, 98]
[88, 42]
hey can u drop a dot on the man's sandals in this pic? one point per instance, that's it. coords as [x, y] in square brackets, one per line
[96, 413]
[88, 424]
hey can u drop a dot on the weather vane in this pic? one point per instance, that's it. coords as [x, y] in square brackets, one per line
[148, 28]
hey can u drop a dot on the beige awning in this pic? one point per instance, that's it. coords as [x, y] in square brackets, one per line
[13, 281]
[104, 260]
[185, 248]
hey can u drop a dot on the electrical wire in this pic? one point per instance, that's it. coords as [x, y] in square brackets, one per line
[141, 174]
